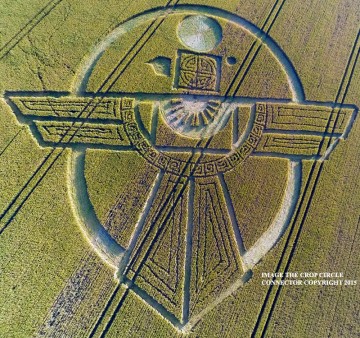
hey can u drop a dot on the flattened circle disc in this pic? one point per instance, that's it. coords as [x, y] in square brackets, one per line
[200, 33]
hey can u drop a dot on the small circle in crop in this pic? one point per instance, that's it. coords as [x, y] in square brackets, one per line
[231, 60]
[200, 33]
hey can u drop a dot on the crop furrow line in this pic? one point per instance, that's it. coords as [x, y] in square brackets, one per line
[11, 141]
[105, 310]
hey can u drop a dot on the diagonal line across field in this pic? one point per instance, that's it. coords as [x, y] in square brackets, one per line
[254, 50]
[21, 197]
[11, 141]
[26, 29]
[304, 204]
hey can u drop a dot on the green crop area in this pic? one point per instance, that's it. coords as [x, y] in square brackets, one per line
[180, 168]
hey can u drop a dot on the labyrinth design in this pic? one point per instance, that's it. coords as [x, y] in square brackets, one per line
[198, 71]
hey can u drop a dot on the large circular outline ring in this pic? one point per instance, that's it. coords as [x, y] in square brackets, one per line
[105, 245]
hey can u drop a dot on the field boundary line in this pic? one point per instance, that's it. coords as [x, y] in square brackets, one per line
[99, 321]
